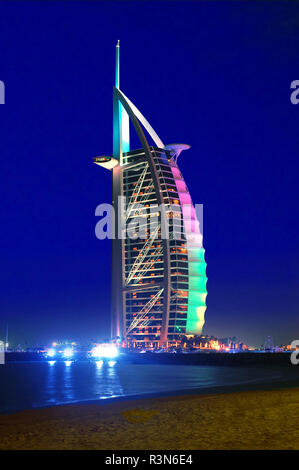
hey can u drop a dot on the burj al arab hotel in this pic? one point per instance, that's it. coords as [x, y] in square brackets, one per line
[158, 282]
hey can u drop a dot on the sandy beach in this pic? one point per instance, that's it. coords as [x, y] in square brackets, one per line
[242, 420]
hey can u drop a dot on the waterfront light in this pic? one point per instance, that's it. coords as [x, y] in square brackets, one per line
[111, 363]
[51, 353]
[99, 364]
[68, 352]
[67, 363]
[51, 363]
[105, 350]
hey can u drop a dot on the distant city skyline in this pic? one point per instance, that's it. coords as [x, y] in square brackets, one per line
[214, 75]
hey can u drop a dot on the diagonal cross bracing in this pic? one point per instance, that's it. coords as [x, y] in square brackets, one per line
[148, 265]
[136, 191]
[147, 322]
[142, 254]
[144, 311]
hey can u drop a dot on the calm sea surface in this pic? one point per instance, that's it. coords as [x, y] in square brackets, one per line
[28, 385]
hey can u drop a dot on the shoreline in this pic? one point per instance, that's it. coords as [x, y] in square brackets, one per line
[251, 419]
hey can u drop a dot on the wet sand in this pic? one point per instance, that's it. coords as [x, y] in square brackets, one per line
[241, 420]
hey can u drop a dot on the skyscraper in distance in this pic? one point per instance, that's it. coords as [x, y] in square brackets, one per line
[158, 281]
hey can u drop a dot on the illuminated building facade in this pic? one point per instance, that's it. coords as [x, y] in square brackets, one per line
[158, 281]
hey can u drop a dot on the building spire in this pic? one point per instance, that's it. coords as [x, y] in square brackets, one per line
[117, 66]
[121, 129]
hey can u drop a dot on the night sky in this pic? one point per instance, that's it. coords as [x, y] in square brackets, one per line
[213, 75]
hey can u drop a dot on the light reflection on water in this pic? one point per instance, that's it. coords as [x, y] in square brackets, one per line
[107, 383]
[37, 384]
[51, 382]
[67, 382]
[63, 382]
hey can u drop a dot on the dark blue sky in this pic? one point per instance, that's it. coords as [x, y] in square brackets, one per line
[214, 75]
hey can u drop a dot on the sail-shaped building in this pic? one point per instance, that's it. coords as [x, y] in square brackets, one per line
[159, 279]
